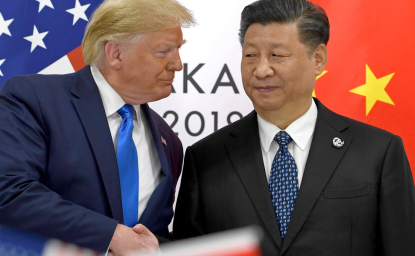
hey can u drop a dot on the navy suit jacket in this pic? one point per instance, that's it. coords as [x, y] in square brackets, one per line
[58, 173]
[358, 199]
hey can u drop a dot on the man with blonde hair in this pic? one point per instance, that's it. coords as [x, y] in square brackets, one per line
[83, 157]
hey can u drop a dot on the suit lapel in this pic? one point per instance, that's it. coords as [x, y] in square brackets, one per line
[90, 109]
[245, 153]
[321, 163]
[88, 104]
[159, 197]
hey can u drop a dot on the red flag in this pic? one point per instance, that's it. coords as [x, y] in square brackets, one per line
[369, 74]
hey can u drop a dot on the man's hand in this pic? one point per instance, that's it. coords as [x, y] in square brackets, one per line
[126, 240]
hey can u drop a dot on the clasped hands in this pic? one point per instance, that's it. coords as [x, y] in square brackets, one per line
[137, 239]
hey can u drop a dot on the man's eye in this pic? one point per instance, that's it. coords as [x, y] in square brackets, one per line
[249, 55]
[276, 55]
[164, 51]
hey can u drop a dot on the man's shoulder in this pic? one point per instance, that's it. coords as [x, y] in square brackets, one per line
[357, 128]
[227, 133]
[51, 83]
[39, 83]
[41, 78]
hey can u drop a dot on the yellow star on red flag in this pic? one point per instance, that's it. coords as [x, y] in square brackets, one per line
[374, 89]
[382, 94]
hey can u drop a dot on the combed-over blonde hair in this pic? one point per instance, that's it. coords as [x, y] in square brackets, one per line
[122, 21]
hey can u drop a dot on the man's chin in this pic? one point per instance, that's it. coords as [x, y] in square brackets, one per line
[162, 95]
[268, 105]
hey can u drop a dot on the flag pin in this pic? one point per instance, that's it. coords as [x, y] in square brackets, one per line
[337, 142]
[163, 140]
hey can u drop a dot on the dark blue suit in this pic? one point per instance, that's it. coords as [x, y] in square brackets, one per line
[58, 170]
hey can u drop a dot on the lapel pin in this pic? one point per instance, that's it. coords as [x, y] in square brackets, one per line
[163, 140]
[337, 142]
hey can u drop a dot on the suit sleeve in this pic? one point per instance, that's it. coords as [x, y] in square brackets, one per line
[25, 202]
[397, 202]
[189, 219]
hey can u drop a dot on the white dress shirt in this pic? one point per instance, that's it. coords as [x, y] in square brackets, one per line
[149, 167]
[301, 131]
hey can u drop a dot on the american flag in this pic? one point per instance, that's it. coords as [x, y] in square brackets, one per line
[42, 36]
[17, 243]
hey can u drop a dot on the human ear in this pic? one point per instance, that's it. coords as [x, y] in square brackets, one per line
[113, 54]
[320, 58]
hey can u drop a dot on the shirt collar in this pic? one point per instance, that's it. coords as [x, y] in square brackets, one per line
[301, 130]
[111, 100]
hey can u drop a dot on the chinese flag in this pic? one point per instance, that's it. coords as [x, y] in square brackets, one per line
[370, 74]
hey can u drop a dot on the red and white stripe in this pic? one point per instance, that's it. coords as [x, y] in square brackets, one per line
[69, 63]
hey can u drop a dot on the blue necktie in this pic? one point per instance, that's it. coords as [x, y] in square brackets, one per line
[283, 182]
[128, 166]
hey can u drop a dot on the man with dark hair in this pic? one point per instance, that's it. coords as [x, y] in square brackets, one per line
[317, 183]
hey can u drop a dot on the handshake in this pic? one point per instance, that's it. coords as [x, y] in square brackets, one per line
[137, 239]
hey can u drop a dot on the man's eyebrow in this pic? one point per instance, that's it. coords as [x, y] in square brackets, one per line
[271, 45]
[250, 44]
[173, 44]
[275, 45]
[183, 42]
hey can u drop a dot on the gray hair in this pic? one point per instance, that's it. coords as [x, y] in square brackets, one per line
[312, 22]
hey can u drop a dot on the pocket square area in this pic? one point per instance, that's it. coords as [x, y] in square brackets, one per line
[344, 193]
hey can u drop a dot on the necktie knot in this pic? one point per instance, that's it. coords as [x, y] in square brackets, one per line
[126, 111]
[283, 138]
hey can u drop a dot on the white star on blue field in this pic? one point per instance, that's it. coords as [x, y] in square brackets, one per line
[36, 33]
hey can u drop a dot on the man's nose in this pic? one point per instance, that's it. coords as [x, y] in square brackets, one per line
[175, 63]
[263, 69]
